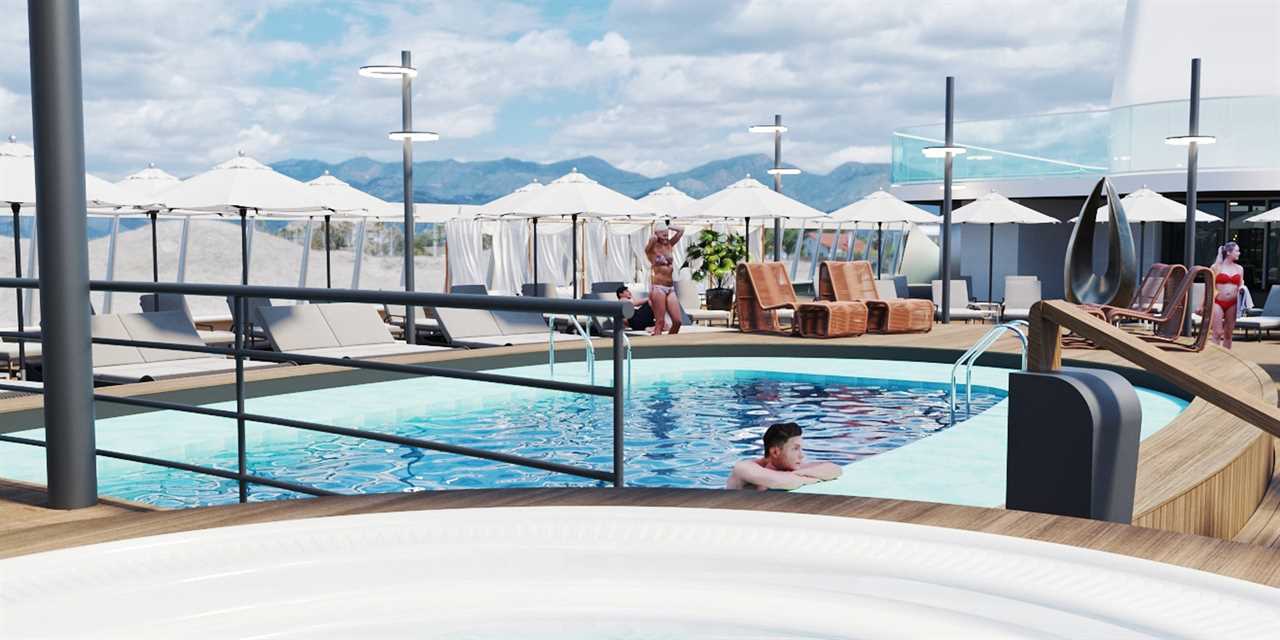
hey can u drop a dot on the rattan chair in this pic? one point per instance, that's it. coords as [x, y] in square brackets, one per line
[763, 288]
[1168, 323]
[855, 282]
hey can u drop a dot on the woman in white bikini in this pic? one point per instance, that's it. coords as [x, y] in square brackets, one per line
[662, 295]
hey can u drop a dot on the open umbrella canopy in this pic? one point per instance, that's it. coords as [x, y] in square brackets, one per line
[1145, 205]
[574, 193]
[242, 183]
[511, 202]
[339, 196]
[748, 198]
[18, 180]
[666, 201]
[882, 207]
[145, 185]
[994, 208]
[1267, 216]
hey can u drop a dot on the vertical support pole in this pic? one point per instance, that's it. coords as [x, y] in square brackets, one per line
[746, 233]
[241, 454]
[816, 254]
[244, 248]
[777, 186]
[18, 293]
[1266, 251]
[991, 261]
[305, 264]
[1142, 248]
[573, 237]
[406, 112]
[328, 260]
[359, 248]
[57, 113]
[795, 259]
[155, 249]
[535, 256]
[619, 338]
[835, 241]
[946, 202]
[33, 266]
[1193, 154]
[112, 243]
[184, 241]
[879, 249]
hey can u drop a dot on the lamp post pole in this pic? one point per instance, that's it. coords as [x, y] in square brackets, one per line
[57, 114]
[946, 201]
[777, 184]
[1193, 140]
[406, 118]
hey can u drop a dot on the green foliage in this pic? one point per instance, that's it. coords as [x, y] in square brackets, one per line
[716, 256]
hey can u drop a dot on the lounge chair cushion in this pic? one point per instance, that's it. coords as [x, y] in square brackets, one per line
[164, 326]
[1258, 322]
[370, 350]
[355, 324]
[129, 373]
[106, 355]
[296, 327]
[461, 324]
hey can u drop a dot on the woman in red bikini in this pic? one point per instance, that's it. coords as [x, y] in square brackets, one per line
[1228, 276]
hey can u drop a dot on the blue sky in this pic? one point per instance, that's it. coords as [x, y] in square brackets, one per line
[650, 85]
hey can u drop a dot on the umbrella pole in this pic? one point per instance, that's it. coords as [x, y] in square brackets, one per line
[1142, 245]
[17, 273]
[244, 247]
[1266, 246]
[535, 256]
[879, 249]
[747, 236]
[991, 260]
[574, 238]
[328, 260]
[155, 259]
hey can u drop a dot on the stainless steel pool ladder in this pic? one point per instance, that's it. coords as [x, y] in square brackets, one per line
[1015, 327]
[583, 333]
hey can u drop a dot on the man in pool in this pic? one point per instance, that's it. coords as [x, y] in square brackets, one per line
[643, 317]
[783, 465]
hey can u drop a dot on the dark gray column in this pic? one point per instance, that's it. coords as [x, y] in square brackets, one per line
[777, 185]
[57, 113]
[946, 202]
[406, 124]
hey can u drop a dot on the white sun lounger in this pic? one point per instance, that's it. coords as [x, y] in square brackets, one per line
[1269, 318]
[480, 328]
[114, 364]
[339, 330]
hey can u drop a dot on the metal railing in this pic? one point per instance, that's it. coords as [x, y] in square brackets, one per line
[582, 333]
[1016, 328]
[240, 351]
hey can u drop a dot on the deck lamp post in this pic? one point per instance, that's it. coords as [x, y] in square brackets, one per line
[407, 136]
[777, 172]
[948, 151]
[1192, 142]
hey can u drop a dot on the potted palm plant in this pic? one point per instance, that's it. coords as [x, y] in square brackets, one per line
[713, 258]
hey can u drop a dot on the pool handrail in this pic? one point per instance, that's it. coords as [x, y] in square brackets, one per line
[1016, 328]
[583, 333]
[617, 311]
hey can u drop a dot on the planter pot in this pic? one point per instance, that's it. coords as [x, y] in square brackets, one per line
[719, 299]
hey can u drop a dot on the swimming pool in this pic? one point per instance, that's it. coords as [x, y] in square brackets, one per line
[688, 421]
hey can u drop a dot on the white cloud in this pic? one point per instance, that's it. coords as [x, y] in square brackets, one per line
[666, 85]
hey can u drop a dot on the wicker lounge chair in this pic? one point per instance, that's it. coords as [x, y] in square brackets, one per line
[855, 281]
[763, 289]
[1169, 321]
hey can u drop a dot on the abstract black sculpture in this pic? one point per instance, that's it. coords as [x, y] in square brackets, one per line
[1119, 284]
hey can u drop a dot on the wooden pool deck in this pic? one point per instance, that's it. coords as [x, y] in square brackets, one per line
[1207, 473]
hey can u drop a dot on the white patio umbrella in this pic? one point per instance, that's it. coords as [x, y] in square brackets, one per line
[510, 202]
[747, 199]
[571, 195]
[881, 207]
[1143, 206]
[144, 186]
[666, 201]
[238, 186]
[339, 196]
[993, 209]
[18, 189]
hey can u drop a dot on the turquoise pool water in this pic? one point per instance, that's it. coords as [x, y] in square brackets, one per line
[688, 421]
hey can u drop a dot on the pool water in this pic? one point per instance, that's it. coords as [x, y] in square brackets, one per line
[688, 421]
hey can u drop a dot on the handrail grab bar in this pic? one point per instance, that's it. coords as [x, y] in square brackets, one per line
[973, 353]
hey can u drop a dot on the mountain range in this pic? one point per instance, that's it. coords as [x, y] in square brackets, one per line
[454, 182]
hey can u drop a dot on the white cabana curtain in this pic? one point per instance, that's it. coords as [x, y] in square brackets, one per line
[609, 253]
[465, 243]
[554, 254]
[510, 257]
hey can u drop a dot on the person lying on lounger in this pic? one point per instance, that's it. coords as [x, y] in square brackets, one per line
[643, 317]
[783, 465]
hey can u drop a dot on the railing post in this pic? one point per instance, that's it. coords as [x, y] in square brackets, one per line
[619, 338]
[1044, 342]
[241, 463]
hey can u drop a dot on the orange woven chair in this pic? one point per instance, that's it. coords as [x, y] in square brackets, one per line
[762, 289]
[855, 281]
